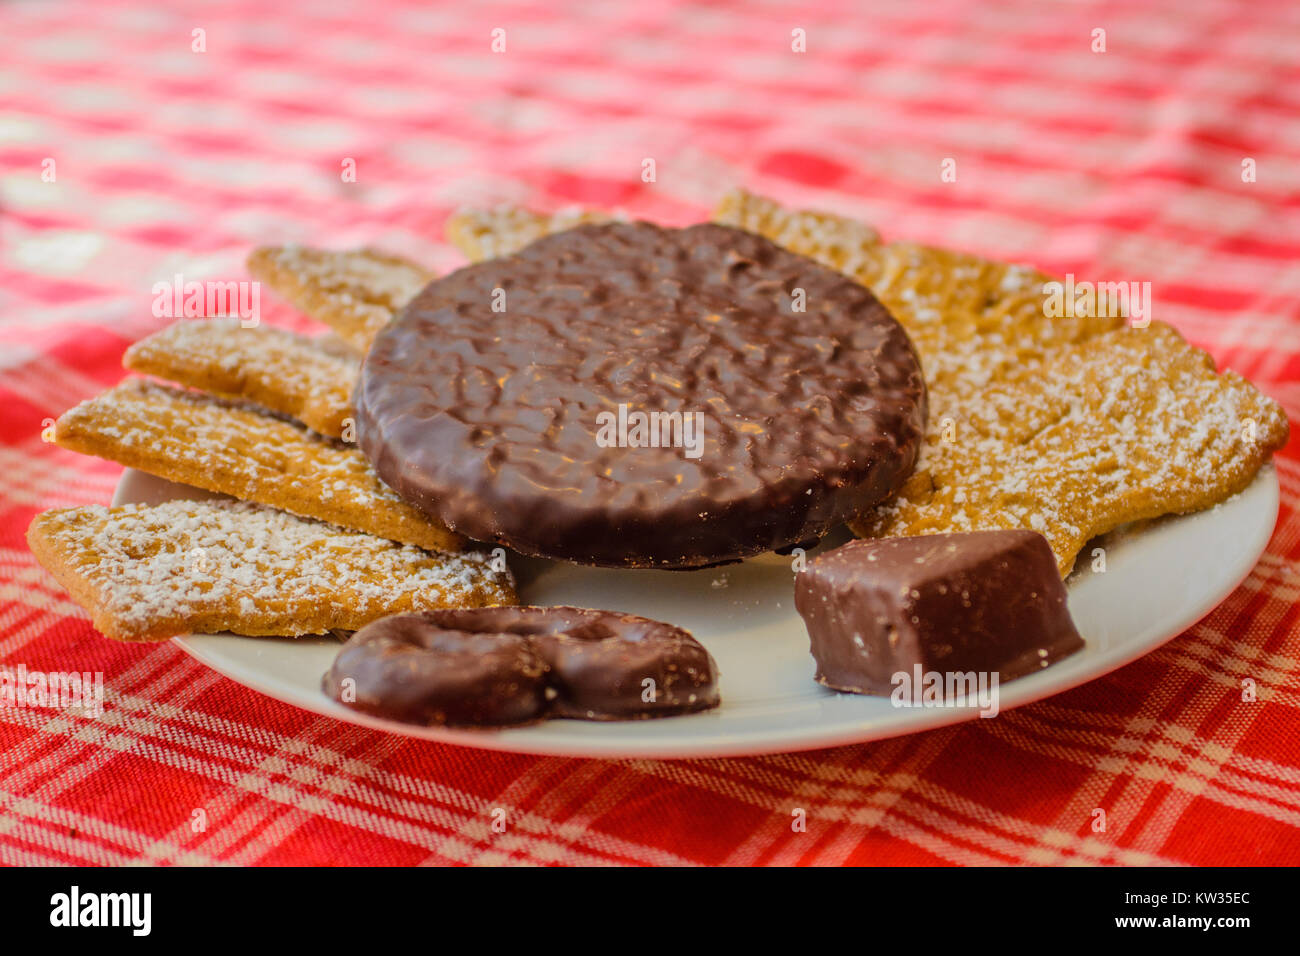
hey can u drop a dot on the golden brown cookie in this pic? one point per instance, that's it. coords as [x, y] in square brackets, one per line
[287, 373]
[355, 292]
[488, 233]
[148, 573]
[972, 320]
[1130, 425]
[237, 450]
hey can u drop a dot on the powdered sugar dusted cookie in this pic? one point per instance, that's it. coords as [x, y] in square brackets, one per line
[148, 573]
[1130, 425]
[236, 450]
[355, 292]
[287, 373]
[487, 233]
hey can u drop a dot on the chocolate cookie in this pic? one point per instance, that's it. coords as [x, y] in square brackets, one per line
[423, 669]
[506, 665]
[631, 396]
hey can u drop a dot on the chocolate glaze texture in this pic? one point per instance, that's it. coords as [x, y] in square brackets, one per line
[987, 601]
[408, 668]
[508, 665]
[489, 421]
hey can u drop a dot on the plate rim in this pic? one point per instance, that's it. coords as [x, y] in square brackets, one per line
[1064, 676]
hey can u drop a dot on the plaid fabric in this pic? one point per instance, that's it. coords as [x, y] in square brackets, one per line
[1121, 165]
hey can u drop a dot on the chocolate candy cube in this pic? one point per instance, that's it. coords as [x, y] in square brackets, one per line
[987, 601]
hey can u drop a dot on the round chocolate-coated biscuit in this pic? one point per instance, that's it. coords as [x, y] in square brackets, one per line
[501, 665]
[512, 399]
[412, 668]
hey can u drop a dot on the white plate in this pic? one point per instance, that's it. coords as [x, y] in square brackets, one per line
[1157, 583]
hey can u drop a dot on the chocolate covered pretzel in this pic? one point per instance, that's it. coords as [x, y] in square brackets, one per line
[511, 665]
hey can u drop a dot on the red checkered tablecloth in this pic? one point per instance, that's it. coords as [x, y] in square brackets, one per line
[142, 140]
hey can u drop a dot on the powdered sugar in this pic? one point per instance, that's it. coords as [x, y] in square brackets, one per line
[355, 292]
[247, 568]
[284, 372]
[231, 448]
